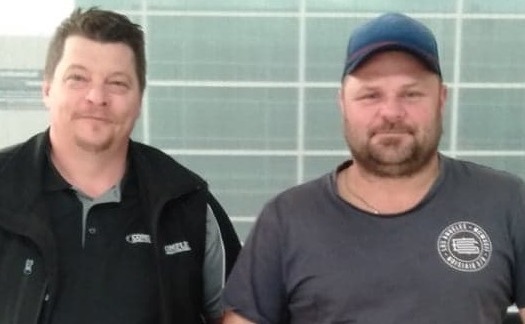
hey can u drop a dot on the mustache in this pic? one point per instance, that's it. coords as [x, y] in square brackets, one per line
[392, 128]
[91, 116]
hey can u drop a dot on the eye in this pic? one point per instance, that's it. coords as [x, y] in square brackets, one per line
[118, 86]
[119, 83]
[76, 77]
[413, 94]
[76, 80]
[368, 96]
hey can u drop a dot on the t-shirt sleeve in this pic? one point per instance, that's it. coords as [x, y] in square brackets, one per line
[255, 288]
[518, 240]
[213, 269]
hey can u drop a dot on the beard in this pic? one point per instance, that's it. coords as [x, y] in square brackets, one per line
[91, 142]
[385, 154]
[90, 146]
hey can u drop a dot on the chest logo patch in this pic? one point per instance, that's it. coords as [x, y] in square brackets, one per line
[177, 247]
[465, 246]
[138, 238]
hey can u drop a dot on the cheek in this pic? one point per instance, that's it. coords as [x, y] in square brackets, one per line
[134, 112]
[434, 116]
[129, 113]
[59, 107]
[64, 100]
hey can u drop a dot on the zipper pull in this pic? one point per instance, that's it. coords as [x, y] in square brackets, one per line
[28, 268]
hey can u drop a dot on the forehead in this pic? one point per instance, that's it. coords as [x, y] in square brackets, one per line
[392, 64]
[95, 55]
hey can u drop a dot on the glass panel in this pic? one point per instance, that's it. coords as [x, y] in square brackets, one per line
[325, 55]
[492, 52]
[381, 5]
[111, 4]
[20, 89]
[491, 119]
[317, 166]
[138, 130]
[445, 142]
[243, 184]
[242, 229]
[500, 6]
[240, 49]
[223, 118]
[18, 125]
[323, 127]
[230, 5]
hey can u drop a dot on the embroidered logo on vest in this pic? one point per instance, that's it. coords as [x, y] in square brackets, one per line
[177, 247]
[138, 238]
[465, 246]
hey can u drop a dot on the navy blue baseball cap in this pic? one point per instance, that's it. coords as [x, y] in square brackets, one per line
[392, 31]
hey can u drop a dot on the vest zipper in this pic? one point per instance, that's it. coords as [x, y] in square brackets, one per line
[26, 274]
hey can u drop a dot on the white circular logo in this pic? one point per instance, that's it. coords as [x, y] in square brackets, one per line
[465, 246]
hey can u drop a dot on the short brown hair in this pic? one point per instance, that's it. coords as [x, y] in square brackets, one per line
[102, 26]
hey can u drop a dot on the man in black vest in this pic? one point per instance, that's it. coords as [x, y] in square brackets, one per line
[94, 227]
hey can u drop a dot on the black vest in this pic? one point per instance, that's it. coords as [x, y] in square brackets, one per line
[173, 196]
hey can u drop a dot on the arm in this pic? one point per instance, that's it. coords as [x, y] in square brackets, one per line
[517, 234]
[233, 318]
[213, 272]
[255, 289]
[232, 244]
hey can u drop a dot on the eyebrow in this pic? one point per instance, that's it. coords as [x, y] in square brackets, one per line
[83, 68]
[120, 74]
[411, 84]
[75, 67]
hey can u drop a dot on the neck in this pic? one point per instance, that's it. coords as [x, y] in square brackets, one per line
[386, 195]
[91, 172]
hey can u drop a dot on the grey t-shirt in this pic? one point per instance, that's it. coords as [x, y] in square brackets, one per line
[457, 257]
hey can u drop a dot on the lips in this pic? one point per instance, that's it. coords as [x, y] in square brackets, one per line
[396, 131]
[97, 118]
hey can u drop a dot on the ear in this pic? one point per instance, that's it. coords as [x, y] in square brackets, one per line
[46, 89]
[341, 100]
[443, 95]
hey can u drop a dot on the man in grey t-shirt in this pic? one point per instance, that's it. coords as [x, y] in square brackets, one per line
[399, 234]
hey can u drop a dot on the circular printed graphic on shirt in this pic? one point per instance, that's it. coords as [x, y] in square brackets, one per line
[465, 246]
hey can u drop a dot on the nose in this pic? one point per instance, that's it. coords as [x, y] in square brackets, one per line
[392, 109]
[97, 95]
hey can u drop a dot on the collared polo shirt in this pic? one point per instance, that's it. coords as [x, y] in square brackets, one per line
[105, 276]
[106, 259]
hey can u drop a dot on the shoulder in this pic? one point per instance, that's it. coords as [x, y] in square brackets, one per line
[478, 174]
[150, 154]
[483, 184]
[24, 152]
[305, 191]
[152, 161]
[7, 152]
[299, 201]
